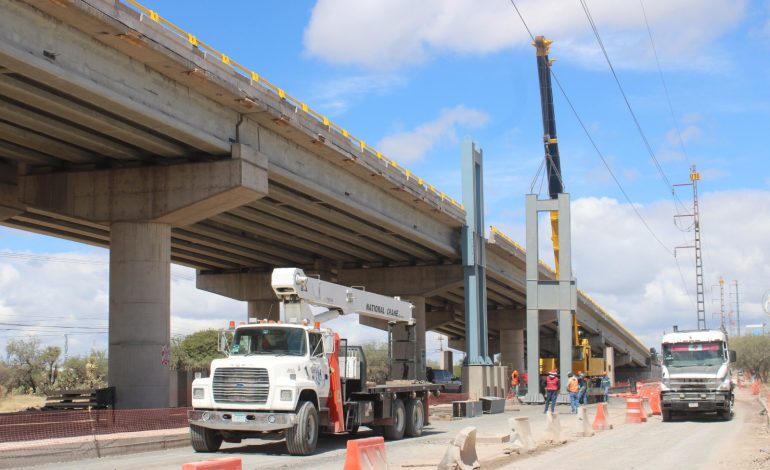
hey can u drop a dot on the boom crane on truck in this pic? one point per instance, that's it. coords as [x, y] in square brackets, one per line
[294, 378]
[582, 359]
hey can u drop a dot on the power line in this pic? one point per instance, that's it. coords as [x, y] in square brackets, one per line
[669, 186]
[663, 82]
[593, 143]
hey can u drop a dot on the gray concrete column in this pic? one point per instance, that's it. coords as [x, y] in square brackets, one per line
[403, 351]
[264, 309]
[533, 355]
[609, 361]
[140, 299]
[447, 362]
[512, 349]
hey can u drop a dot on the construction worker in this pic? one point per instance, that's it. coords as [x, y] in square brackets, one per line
[582, 387]
[572, 388]
[515, 383]
[525, 381]
[551, 390]
[606, 386]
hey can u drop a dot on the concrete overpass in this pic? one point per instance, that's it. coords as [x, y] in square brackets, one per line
[120, 130]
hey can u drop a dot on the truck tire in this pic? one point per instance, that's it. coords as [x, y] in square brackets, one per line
[415, 418]
[666, 415]
[727, 414]
[396, 430]
[303, 437]
[204, 439]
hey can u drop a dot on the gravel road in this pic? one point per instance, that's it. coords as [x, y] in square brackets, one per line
[696, 443]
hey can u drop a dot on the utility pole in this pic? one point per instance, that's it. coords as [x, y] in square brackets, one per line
[722, 302]
[737, 306]
[66, 346]
[700, 302]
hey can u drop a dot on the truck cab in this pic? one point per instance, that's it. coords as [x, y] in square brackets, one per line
[271, 371]
[696, 374]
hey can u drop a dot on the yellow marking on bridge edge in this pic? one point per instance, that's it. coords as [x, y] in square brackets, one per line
[256, 78]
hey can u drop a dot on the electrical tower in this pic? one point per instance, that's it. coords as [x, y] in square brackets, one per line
[700, 302]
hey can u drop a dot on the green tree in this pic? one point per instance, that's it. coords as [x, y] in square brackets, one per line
[87, 371]
[32, 369]
[195, 351]
[376, 361]
[753, 354]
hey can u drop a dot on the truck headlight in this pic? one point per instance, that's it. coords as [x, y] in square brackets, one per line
[199, 393]
[285, 395]
[726, 384]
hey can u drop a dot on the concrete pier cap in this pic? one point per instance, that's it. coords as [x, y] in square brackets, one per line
[141, 206]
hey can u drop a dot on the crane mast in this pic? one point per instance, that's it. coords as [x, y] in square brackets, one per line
[551, 147]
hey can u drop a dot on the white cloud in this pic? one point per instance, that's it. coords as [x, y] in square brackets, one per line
[620, 265]
[338, 95]
[387, 34]
[411, 146]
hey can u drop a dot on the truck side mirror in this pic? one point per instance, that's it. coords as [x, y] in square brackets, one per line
[328, 344]
[733, 355]
[223, 344]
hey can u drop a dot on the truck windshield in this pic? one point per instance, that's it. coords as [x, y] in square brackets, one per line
[693, 354]
[274, 341]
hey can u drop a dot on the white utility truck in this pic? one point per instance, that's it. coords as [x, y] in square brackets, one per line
[696, 374]
[295, 378]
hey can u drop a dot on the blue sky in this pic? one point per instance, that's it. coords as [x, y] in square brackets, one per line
[413, 79]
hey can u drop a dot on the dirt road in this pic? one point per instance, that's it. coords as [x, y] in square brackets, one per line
[692, 443]
[699, 443]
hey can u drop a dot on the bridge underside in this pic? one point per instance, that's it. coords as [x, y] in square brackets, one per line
[112, 131]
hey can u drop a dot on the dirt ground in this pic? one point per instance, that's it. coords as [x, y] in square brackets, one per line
[12, 403]
[751, 449]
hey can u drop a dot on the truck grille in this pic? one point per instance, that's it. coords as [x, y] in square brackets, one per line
[241, 385]
[693, 384]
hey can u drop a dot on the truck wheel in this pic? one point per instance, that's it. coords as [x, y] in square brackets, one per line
[415, 418]
[666, 415]
[303, 437]
[395, 431]
[727, 414]
[204, 439]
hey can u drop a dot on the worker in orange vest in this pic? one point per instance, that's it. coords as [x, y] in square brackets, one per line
[551, 390]
[515, 382]
[572, 388]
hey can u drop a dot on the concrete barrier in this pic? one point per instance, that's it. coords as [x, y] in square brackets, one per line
[583, 425]
[366, 454]
[229, 463]
[521, 435]
[553, 428]
[461, 453]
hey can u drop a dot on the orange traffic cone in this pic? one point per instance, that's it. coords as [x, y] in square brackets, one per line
[600, 421]
[655, 404]
[634, 411]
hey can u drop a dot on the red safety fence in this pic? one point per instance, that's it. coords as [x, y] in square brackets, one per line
[36, 425]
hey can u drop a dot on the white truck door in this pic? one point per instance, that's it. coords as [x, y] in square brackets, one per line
[319, 366]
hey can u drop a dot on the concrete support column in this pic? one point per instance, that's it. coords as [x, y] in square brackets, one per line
[264, 309]
[533, 355]
[609, 360]
[404, 345]
[512, 349]
[140, 326]
[565, 347]
[447, 361]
